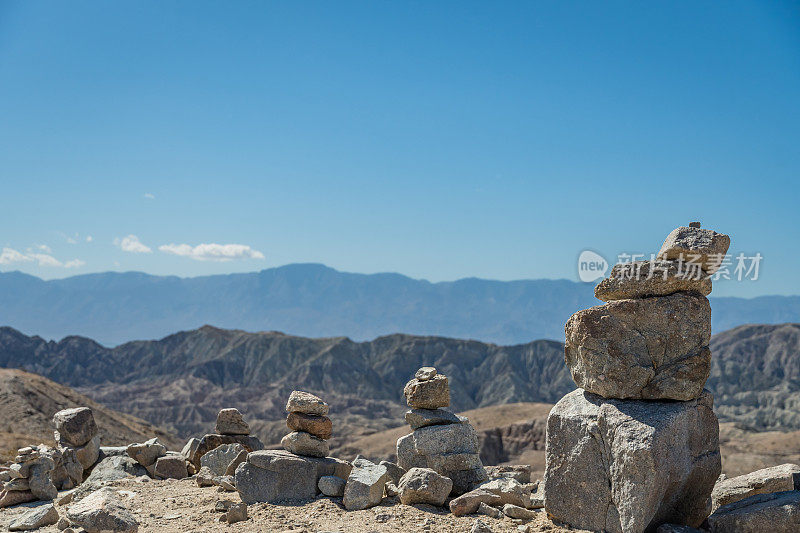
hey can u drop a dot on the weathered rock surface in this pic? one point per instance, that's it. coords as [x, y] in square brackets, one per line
[170, 467]
[364, 486]
[425, 373]
[303, 443]
[480, 527]
[331, 486]
[146, 453]
[41, 516]
[88, 454]
[275, 476]
[305, 402]
[420, 418]
[704, 246]
[75, 426]
[469, 502]
[394, 471]
[515, 511]
[509, 491]
[218, 459]
[521, 473]
[652, 348]
[774, 479]
[643, 463]
[423, 485]
[10, 498]
[237, 512]
[39, 480]
[319, 426]
[211, 441]
[488, 510]
[777, 512]
[231, 422]
[431, 393]
[101, 512]
[641, 279]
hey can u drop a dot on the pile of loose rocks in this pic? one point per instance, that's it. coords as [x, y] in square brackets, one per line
[218, 466]
[637, 445]
[230, 429]
[39, 472]
[440, 440]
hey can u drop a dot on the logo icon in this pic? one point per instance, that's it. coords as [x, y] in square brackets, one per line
[591, 266]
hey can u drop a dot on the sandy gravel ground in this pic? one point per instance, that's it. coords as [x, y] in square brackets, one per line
[180, 506]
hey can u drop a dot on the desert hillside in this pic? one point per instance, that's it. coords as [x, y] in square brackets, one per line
[27, 405]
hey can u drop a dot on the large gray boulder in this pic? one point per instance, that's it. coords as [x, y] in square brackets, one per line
[641, 279]
[41, 516]
[777, 512]
[650, 349]
[146, 453]
[276, 475]
[364, 486]
[703, 247]
[423, 485]
[774, 479]
[88, 454]
[102, 511]
[75, 426]
[39, 480]
[171, 466]
[626, 466]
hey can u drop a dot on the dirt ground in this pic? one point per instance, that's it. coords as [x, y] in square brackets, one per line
[173, 506]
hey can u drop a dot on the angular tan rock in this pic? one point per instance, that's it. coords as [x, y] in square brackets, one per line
[425, 373]
[231, 422]
[431, 393]
[102, 511]
[469, 502]
[75, 426]
[302, 443]
[211, 441]
[305, 402]
[170, 467]
[319, 426]
[38, 517]
[703, 246]
[146, 453]
[641, 279]
[652, 348]
[364, 487]
[625, 466]
[423, 485]
[767, 480]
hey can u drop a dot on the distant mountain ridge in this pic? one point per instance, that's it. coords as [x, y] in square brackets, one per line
[313, 300]
[181, 381]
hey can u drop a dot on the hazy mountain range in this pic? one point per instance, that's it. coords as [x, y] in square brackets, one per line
[180, 382]
[316, 301]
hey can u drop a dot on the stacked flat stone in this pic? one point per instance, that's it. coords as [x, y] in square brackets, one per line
[637, 445]
[217, 466]
[310, 425]
[29, 477]
[440, 440]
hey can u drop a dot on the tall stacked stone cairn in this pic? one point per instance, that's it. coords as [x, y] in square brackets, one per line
[295, 473]
[440, 440]
[637, 445]
[230, 429]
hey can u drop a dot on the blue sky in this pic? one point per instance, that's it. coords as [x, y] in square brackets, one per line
[437, 139]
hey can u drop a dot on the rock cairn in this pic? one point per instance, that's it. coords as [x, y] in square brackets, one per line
[76, 435]
[302, 469]
[230, 429]
[440, 440]
[637, 445]
[310, 425]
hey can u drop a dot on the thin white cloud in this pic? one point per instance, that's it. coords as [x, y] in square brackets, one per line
[44, 248]
[10, 256]
[150, 196]
[89, 238]
[132, 244]
[212, 251]
[71, 240]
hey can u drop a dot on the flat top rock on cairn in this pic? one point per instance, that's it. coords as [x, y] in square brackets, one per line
[231, 422]
[425, 373]
[305, 402]
[705, 247]
[640, 279]
[75, 426]
[429, 393]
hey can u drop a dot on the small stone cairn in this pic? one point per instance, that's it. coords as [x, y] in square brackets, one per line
[310, 425]
[302, 469]
[440, 440]
[230, 429]
[637, 445]
[39, 472]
